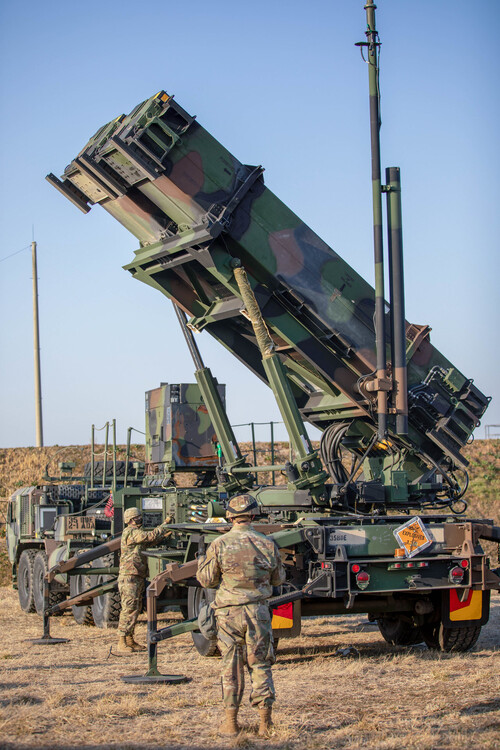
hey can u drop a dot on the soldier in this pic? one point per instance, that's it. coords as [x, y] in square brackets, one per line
[244, 565]
[132, 575]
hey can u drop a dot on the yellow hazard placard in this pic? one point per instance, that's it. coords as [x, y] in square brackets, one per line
[413, 537]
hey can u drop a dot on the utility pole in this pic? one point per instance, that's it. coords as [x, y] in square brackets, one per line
[36, 345]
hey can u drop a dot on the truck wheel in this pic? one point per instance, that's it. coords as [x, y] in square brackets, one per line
[105, 608]
[40, 569]
[440, 638]
[399, 632]
[25, 580]
[196, 598]
[81, 614]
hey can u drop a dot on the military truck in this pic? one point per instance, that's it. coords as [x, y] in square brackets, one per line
[33, 514]
[375, 521]
[68, 515]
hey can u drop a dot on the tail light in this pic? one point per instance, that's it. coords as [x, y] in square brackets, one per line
[362, 579]
[456, 574]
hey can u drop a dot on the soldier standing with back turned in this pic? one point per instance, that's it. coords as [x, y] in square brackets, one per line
[245, 565]
[132, 574]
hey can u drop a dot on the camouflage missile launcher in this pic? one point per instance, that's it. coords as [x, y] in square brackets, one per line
[195, 208]
[394, 412]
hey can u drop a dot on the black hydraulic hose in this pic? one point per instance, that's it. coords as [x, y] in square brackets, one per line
[330, 446]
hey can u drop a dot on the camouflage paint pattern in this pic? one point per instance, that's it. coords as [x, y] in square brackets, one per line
[244, 564]
[133, 572]
[245, 636]
[131, 590]
[179, 433]
[194, 207]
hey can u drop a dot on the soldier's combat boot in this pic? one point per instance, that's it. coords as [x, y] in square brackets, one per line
[230, 728]
[123, 646]
[266, 723]
[133, 644]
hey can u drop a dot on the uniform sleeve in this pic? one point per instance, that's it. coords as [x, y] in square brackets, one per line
[139, 536]
[278, 574]
[209, 571]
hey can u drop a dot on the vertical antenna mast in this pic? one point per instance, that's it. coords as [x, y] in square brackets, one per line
[372, 46]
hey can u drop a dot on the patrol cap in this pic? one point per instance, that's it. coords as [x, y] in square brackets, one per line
[131, 513]
[242, 505]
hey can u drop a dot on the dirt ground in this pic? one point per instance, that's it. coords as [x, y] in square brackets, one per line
[380, 696]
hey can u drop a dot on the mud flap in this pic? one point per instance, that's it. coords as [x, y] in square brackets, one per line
[465, 607]
[286, 620]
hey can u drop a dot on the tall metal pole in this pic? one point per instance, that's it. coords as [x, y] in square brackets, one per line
[36, 347]
[396, 281]
[372, 46]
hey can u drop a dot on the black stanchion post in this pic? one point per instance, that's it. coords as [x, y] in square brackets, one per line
[152, 676]
[46, 639]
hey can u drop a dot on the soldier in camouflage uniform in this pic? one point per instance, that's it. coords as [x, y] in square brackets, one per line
[132, 574]
[244, 565]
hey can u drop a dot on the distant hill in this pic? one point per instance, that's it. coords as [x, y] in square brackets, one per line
[21, 467]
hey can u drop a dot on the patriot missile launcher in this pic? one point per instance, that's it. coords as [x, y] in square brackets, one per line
[382, 532]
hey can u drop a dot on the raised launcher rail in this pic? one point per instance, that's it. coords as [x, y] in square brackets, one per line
[197, 211]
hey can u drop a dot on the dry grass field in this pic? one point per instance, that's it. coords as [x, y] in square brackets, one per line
[378, 696]
[386, 697]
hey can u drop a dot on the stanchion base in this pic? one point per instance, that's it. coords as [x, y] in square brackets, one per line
[157, 679]
[47, 640]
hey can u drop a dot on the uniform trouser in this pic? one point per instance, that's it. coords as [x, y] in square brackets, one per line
[131, 590]
[244, 635]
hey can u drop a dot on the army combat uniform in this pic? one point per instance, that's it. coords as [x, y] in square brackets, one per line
[133, 572]
[247, 565]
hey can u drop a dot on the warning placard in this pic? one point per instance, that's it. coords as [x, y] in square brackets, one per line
[413, 537]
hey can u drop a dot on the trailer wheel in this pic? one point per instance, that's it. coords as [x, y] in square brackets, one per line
[105, 608]
[40, 570]
[196, 598]
[441, 638]
[81, 614]
[25, 580]
[398, 631]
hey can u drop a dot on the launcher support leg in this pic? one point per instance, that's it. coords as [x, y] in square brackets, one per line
[153, 676]
[46, 639]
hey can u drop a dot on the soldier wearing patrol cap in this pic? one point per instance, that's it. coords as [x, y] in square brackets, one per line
[132, 574]
[244, 565]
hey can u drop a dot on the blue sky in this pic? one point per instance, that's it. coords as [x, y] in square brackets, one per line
[279, 84]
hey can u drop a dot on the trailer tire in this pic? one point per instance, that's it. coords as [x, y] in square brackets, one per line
[82, 614]
[438, 637]
[198, 596]
[25, 580]
[398, 631]
[105, 608]
[40, 570]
